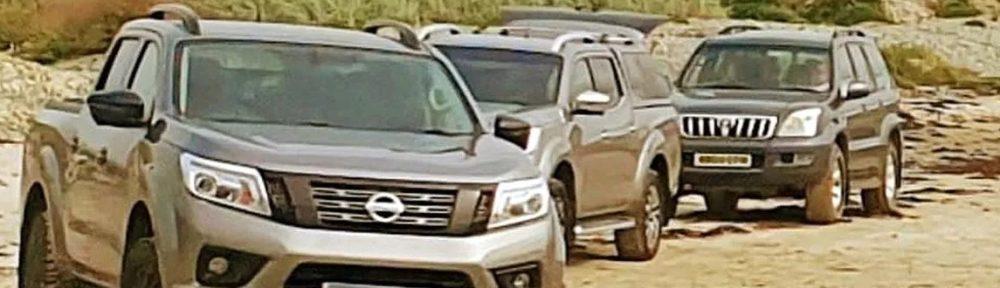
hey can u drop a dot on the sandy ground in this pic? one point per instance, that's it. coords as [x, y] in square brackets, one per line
[947, 237]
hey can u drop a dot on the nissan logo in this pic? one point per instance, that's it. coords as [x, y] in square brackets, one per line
[385, 207]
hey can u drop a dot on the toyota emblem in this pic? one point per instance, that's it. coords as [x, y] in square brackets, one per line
[385, 207]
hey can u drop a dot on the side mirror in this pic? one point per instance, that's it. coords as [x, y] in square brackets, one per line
[855, 90]
[591, 102]
[117, 108]
[514, 130]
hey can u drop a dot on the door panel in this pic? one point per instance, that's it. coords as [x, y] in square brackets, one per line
[865, 124]
[604, 152]
[104, 168]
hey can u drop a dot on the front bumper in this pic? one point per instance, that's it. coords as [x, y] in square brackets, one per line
[780, 167]
[287, 248]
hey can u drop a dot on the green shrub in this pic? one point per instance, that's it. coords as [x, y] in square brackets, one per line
[763, 11]
[844, 12]
[956, 9]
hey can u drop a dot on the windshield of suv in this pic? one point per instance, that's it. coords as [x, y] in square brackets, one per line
[510, 77]
[312, 85]
[759, 67]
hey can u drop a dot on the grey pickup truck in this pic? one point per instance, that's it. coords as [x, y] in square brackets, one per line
[586, 100]
[770, 113]
[238, 154]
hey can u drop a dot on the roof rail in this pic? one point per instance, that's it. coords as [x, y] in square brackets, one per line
[616, 39]
[734, 29]
[849, 33]
[426, 32]
[185, 13]
[561, 41]
[407, 36]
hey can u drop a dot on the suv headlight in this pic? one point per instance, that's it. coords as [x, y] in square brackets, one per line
[801, 123]
[519, 201]
[226, 184]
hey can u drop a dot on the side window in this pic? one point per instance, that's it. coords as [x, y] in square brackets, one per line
[144, 80]
[646, 77]
[117, 69]
[883, 79]
[605, 80]
[581, 80]
[845, 69]
[861, 69]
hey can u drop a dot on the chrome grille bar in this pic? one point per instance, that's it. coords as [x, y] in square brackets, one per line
[752, 127]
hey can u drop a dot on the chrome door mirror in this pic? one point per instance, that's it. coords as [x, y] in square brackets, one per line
[591, 102]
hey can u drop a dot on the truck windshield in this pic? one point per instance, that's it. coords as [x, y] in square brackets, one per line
[509, 77]
[294, 84]
[759, 67]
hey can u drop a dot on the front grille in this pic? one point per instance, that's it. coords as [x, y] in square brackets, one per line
[314, 275]
[728, 126]
[344, 205]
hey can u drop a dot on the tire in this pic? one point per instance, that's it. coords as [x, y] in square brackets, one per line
[882, 200]
[37, 267]
[141, 266]
[826, 199]
[722, 204]
[565, 210]
[642, 242]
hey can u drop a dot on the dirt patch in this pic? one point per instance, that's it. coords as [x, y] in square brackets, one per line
[986, 168]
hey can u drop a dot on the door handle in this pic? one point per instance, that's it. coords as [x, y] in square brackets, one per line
[619, 133]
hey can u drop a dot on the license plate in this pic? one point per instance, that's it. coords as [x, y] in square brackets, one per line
[722, 160]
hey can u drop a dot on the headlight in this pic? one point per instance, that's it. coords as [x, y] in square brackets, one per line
[519, 201]
[802, 123]
[226, 184]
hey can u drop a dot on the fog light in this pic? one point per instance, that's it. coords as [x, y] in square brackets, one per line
[522, 280]
[521, 276]
[221, 267]
[218, 265]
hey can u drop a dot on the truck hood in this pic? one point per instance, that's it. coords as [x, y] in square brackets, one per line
[354, 153]
[752, 102]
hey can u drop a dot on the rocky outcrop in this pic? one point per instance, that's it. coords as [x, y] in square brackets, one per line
[26, 86]
[907, 11]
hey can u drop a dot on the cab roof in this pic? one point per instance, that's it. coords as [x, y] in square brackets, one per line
[516, 43]
[811, 39]
[174, 31]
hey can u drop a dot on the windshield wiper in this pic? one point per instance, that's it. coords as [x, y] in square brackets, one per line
[725, 86]
[801, 89]
[440, 132]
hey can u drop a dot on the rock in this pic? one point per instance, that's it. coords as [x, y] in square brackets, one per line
[975, 23]
[26, 86]
[906, 11]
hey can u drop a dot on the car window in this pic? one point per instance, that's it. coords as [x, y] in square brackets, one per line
[507, 76]
[883, 79]
[116, 71]
[759, 67]
[605, 80]
[144, 80]
[647, 78]
[845, 69]
[862, 72]
[581, 81]
[257, 82]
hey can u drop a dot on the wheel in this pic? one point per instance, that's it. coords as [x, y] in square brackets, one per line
[882, 200]
[722, 204]
[140, 268]
[826, 199]
[564, 208]
[642, 242]
[37, 267]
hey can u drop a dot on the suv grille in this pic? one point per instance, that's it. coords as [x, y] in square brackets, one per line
[339, 204]
[728, 126]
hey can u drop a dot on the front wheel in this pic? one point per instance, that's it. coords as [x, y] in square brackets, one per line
[642, 242]
[37, 267]
[882, 200]
[826, 199]
[565, 211]
[141, 265]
